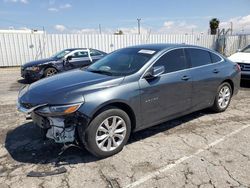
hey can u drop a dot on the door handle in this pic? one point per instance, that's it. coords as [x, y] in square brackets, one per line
[185, 78]
[216, 71]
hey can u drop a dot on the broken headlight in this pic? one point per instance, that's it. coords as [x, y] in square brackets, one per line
[34, 68]
[59, 110]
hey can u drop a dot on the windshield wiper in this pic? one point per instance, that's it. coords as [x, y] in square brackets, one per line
[100, 72]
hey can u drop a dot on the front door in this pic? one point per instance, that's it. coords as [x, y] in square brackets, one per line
[79, 59]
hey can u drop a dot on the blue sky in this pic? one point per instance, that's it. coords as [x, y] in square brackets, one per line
[158, 16]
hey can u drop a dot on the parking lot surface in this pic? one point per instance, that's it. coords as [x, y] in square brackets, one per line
[199, 150]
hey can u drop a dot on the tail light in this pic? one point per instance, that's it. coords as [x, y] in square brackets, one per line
[237, 67]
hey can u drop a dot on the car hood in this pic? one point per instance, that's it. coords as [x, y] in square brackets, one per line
[240, 57]
[38, 62]
[66, 88]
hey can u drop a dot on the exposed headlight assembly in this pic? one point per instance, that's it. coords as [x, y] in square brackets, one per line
[59, 110]
[34, 68]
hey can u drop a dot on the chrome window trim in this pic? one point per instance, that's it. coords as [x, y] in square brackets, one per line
[189, 68]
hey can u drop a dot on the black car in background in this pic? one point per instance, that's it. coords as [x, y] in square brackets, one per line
[62, 61]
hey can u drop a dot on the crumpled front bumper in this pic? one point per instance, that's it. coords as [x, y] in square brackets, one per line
[61, 129]
[28, 74]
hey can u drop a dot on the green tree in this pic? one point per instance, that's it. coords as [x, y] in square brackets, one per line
[214, 25]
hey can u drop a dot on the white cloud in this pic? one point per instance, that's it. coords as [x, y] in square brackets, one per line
[168, 24]
[56, 9]
[125, 30]
[52, 9]
[17, 1]
[178, 27]
[60, 28]
[240, 24]
[24, 1]
[85, 31]
[65, 6]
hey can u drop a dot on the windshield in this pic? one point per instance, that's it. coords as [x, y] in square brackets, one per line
[246, 49]
[61, 54]
[122, 62]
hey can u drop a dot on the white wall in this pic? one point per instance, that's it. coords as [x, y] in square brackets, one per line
[16, 49]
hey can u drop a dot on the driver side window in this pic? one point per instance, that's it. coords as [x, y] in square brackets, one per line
[174, 60]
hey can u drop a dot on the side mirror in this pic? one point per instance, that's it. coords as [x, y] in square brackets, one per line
[154, 72]
[68, 58]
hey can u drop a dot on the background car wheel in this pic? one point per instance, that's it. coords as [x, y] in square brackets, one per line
[108, 132]
[223, 97]
[50, 72]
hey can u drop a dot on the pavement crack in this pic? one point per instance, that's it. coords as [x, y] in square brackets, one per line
[230, 175]
[110, 182]
[185, 142]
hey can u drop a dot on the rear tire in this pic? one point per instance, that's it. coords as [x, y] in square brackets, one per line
[223, 97]
[50, 72]
[107, 133]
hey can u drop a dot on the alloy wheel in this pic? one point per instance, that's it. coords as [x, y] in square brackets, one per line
[224, 97]
[51, 72]
[111, 133]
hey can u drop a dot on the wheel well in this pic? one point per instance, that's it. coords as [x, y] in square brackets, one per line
[126, 108]
[231, 84]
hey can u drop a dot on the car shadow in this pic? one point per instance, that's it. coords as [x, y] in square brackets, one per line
[26, 144]
[24, 81]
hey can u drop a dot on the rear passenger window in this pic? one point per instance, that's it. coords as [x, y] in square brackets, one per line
[80, 54]
[199, 57]
[173, 61]
[215, 58]
[94, 53]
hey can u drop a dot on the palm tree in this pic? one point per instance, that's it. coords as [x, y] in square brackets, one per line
[214, 24]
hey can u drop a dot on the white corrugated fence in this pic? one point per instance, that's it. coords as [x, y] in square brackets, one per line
[16, 49]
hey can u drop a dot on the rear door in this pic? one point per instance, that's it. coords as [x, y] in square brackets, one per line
[206, 73]
[170, 93]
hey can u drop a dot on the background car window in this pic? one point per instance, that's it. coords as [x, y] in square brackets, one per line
[246, 50]
[80, 54]
[173, 61]
[199, 57]
[95, 53]
[215, 58]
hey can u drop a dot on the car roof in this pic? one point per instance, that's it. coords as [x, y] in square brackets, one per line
[163, 46]
[72, 49]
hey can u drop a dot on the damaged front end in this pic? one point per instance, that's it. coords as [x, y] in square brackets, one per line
[59, 122]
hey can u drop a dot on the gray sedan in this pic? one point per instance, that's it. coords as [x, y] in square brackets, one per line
[129, 90]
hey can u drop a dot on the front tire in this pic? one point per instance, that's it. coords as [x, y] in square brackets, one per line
[50, 72]
[107, 133]
[223, 97]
